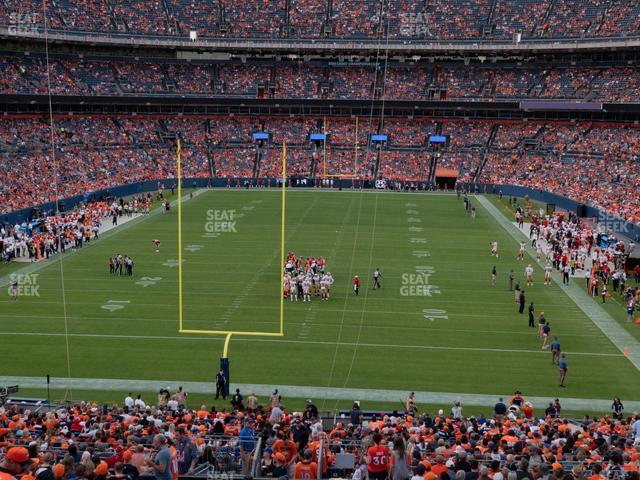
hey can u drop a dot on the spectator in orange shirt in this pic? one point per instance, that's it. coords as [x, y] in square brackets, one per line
[285, 446]
[306, 469]
[439, 467]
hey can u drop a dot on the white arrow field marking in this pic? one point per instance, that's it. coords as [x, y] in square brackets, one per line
[112, 305]
[148, 281]
[435, 314]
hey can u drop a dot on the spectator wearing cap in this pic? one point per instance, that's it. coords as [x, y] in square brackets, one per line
[102, 470]
[247, 446]
[300, 434]
[58, 471]
[16, 462]
[128, 468]
[279, 465]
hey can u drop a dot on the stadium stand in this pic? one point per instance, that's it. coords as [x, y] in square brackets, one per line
[575, 160]
[85, 440]
[459, 19]
[116, 77]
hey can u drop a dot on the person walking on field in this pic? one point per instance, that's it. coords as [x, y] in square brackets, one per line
[555, 351]
[522, 299]
[564, 366]
[356, 285]
[541, 322]
[376, 279]
[546, 330]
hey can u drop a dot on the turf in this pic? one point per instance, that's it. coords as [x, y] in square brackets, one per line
[379, 340]
[614, 306]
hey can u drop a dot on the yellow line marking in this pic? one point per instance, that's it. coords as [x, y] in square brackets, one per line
[233, 332]
[282, 231]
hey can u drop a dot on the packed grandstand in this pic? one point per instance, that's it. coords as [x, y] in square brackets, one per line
[87, 109]
[459, 19]
[263, 438]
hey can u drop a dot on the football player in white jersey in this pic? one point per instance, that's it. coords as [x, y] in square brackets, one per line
[529, 275]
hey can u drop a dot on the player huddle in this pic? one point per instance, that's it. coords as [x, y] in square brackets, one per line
[304, 278]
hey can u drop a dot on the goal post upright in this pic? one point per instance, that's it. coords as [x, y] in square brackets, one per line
[227, 334]
[179, 159]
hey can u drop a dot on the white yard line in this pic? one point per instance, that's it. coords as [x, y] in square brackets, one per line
[381, 346]
[623, 340]
[423, 399]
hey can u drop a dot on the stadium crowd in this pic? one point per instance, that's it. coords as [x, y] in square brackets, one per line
[90, 441]
[49, 234]
[121, 76]
[592, 163]
[458, 19]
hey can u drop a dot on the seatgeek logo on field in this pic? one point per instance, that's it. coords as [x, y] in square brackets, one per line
[612, 223]
[417, 284]
[24, 285]
[221, 221]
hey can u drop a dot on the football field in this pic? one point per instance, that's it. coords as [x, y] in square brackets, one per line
[436, 325]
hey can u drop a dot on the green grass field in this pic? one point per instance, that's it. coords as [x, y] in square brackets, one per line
[127, 328]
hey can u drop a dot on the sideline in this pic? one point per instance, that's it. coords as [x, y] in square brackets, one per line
[623, 340]
[291, 391]
[37, 266]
